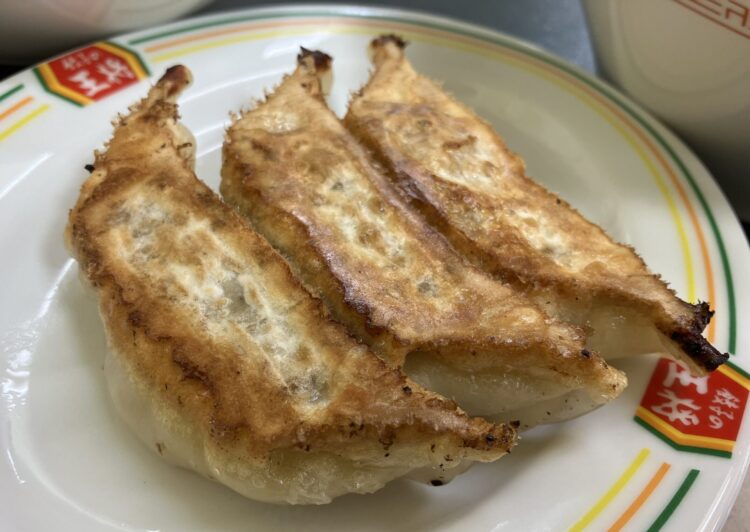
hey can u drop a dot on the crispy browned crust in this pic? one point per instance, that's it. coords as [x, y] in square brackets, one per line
[309, 188]
[142, 221]
[322, 61]
[438, 151]
[390, 38]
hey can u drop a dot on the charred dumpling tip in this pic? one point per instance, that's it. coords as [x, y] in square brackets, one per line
[320, 60]
[175, 79]
[389, 38]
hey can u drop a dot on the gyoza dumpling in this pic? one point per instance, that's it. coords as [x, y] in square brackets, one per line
[457, 172]
[310, 189]
[220, 360]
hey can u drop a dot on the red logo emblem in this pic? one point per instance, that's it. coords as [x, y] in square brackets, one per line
[696, 414]
[89, 74]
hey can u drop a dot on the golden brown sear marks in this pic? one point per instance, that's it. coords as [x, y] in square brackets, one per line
[459, 174]
[229, 349]
[311, 190]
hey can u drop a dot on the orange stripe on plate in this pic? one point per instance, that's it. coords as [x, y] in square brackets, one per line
[226, 31]
[15, 107]
[4, 134]
[643, 496]
[612, 492]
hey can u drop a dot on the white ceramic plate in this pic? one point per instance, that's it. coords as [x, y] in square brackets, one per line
[68, 463]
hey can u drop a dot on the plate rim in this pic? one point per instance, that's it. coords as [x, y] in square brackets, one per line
[718, 202]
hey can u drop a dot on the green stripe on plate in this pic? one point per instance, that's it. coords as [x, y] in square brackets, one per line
[50, 91]
[679, 447]
[11, 92]
[738, 369]
[667, 512]
[732, 343]
[132, 53]
[246, 18]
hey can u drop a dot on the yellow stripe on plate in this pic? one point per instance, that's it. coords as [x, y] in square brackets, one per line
[683, 439]
[53, 85]
[4, 134]
[642, 497]
[616, 488]
[736, 377]
[239, 39]
[127, 56]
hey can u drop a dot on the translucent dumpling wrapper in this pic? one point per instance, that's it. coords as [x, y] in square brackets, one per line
[220, 360]
[305, 183]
